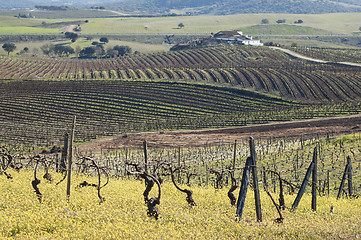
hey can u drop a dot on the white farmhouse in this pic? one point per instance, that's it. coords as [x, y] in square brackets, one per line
[236, 36]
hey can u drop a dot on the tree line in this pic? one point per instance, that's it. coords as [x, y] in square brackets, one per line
[97, 50]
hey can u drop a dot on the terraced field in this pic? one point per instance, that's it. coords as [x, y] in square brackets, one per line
[259, 69]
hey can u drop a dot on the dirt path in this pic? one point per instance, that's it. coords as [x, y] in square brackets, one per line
[294, 54]
[68, 28]
[196, 138]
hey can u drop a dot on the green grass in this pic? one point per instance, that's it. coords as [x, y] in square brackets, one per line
[27, 30]
[6, 21]
[338, 23]
[282, 29]
[335, 23]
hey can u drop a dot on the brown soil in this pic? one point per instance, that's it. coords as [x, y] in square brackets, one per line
[196, 138]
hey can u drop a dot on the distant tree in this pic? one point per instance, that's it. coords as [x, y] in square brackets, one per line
[180, 25]
[77, 51]
[9, 47]
[281, 21]
[47, 49]
[24, 50]
[299, 21]
[87, 52]
[89, 38]
[72, 36]
[95, 43]
[99, 51]
[122, 50]
[265, 21]
[104, 40]
[359, 29]
[111, 52]
[294, 44]
[62, 50]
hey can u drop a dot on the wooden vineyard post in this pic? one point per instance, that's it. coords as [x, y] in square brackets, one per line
[145, 148]
[314, 180]
[255, 180]
[244, 186]
[64, 153]
[345, 174]
[349, 177]
[70, 157]
[234, 155]
[179, 163]
[303, 186]
[57, 163]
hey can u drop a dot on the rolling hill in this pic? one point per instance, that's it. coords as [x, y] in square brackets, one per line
[225, 7]
[220, 7]
[259, 69]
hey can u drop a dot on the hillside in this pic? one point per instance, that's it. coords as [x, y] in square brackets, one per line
[221, 7]
[224, 7]
[208, 87]
[258, 69]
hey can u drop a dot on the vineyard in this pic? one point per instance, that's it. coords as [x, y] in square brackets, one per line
[257, 69]
[38, 113]
[107, 202]
[209, 142]
[148, 190]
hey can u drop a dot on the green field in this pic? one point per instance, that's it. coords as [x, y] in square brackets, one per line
[333, 23]
[320, 23]
[27, 30]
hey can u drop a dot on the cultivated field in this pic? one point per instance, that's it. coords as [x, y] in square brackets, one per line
[170, 91]
[259, 69]
[181, 121]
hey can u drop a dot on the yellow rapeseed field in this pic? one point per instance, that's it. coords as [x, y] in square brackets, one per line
[123, 214]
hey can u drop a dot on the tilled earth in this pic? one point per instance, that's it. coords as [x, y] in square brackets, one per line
[197, 138]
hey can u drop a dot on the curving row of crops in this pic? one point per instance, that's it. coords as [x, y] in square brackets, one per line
[40, 112]
[116, 106]
[259, 69]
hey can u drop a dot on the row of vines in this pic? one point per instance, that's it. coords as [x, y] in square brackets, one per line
[259, 69]
[37, 112]
[281, 162]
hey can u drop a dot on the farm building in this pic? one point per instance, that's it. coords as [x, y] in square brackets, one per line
[236, 36]
[230, 37]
